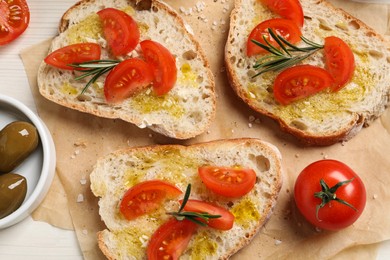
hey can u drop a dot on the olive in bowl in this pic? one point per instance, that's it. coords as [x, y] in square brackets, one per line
[18, 140]
[30, 175]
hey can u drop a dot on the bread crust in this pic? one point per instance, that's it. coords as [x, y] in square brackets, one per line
[345, 131]
[195, 121]
[231, 148]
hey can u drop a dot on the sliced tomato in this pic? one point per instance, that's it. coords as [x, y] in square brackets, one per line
[289, 9]
[14, 19]
[225, 222]
[120, 30]
[339, 61]
[75, 53]
[299, 82]
[146, 197]
[283, 27]
[163, 64]
[126, 79]
[170, 240]
[230, 182]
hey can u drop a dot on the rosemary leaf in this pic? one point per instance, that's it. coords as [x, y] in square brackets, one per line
[278, 41]
[199, 218]
[271, 62]
[94, 78]
[94, 68]
[288, 55]
[272, 50]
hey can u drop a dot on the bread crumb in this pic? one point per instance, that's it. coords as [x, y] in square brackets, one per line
[80, 198]
[144, 241]
[250, 125]
[251, 118]
[83, 181]
[318, 229]
[75, 153]
[296, 155]
[85, 232]
[79, 143]
[277, 242]
[375, 196]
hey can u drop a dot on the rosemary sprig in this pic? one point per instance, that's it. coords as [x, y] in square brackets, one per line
[192, 216]
[285, 56]
[95, 68]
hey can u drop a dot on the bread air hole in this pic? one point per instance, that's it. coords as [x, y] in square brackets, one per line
[324, 25]
[375, 54]
[262, 163]
[354, 25]
[196, 116]
[189, 55]
[299, 125]
[250, 74]
[240, 63]
[199, 79]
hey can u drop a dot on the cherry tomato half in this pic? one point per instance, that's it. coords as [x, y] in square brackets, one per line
[170, 240]
[225, 222]
[120, 29]
[232, 182]
[289, 9]
[163, 64]
[334, 215]
[339, 61]
[146, 197]
[299, 82]
[126, 79]
[14, 19]
[75, 53]
[283, 27]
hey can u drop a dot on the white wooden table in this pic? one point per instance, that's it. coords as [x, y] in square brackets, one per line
[30, 239]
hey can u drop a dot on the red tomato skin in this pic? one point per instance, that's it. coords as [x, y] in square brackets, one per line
[225, 222]
[136, 202]
[120, 29]
[222, 186]
[74, 53]
[126, 79]
[339, 61]
[299, 82]
[163, 64]
[283, 27]
[333, 216]
[170, 239]
[288, 9]
[10, 29]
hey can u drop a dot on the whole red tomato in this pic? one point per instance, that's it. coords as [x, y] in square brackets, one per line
[329, 194]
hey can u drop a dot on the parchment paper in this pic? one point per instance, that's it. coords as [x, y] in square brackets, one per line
[81, 138]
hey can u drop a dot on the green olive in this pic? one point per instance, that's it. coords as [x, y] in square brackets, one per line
[17, 141]
[13, 190]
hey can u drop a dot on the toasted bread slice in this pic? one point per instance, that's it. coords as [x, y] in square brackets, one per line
[118, 171]
[325, 118]
[186, 111]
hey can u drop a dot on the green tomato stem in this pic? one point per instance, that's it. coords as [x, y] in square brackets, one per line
[328, 194]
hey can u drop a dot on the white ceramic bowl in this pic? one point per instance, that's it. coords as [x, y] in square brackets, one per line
[38, 168]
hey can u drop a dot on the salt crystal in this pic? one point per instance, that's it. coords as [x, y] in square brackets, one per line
[80, 198]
